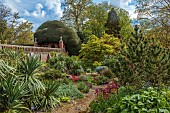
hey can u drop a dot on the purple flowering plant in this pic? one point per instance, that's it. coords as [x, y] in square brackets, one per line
[105, 92]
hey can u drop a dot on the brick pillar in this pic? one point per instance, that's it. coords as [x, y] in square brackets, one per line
[0, 45]
[48, 57]
[35, 43]
[40, 56]
[61, 44]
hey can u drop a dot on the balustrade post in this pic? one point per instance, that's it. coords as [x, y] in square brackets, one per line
[0, 45]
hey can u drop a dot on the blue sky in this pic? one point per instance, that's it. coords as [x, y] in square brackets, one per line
[39, 11]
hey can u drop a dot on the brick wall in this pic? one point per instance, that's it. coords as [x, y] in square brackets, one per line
[42, 52]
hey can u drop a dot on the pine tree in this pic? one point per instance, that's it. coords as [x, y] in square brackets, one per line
[142, 61]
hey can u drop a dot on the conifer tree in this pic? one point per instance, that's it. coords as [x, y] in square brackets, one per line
[142, 61]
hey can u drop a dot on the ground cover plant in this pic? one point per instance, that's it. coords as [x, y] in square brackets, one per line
[149, 100]
[83, 87]
[68, 91]
[128, 99]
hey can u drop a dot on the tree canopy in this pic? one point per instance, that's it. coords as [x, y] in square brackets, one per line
[96, 48]
[88, 18]
[51, 31]
[13, 29]
[73, 13]
[154, 18]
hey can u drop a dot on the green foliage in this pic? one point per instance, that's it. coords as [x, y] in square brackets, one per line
[27, 68]
[83, 78]
[97, 15]
[83, 87]
[66, 64]
[73, 14]
[22, 91]
[142, 62]
[47, 100]
[5, 70]
[11, 56]
[99, 69]
[100, 80]
[150, 101]
[29, 65]
[107, 73]
[11, 93]
[125, 23]
[156, 24]
[112, 24]
[68, 91]
[53, 54]
[12, 29]
[65, 99]
[102, 104]
[53, 74]
[51, 31]
[96, 48]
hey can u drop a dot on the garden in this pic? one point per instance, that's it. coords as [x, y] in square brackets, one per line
[110, 65]
[135, 80]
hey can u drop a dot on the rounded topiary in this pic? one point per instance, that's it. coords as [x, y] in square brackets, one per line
[51, 31]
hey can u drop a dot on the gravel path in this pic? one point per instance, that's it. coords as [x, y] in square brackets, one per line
[79, 105]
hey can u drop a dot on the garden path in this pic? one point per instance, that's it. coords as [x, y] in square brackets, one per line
[79, 105]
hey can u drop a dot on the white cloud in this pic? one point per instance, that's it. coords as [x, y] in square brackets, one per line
[22, 20]
[11, 4]
[55, 6]
[18, 1]
[125, 5]
[38, 12]
[26, 13]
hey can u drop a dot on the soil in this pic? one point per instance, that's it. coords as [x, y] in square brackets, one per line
[79, 105]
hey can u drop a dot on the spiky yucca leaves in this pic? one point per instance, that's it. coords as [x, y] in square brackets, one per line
[11, 96]
[21, 90]
[48, 99]
[11, 56]
[5, 70]
[27, 69]
[142, 62]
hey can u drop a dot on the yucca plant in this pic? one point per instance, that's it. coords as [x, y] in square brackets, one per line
[12, 92]
[27, 69]
[48, 98]
[5, 70]
[11, 56]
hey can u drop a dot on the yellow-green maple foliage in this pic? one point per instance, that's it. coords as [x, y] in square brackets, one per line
[97, 48]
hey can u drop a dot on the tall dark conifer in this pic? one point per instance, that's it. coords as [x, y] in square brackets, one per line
[112, 24]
